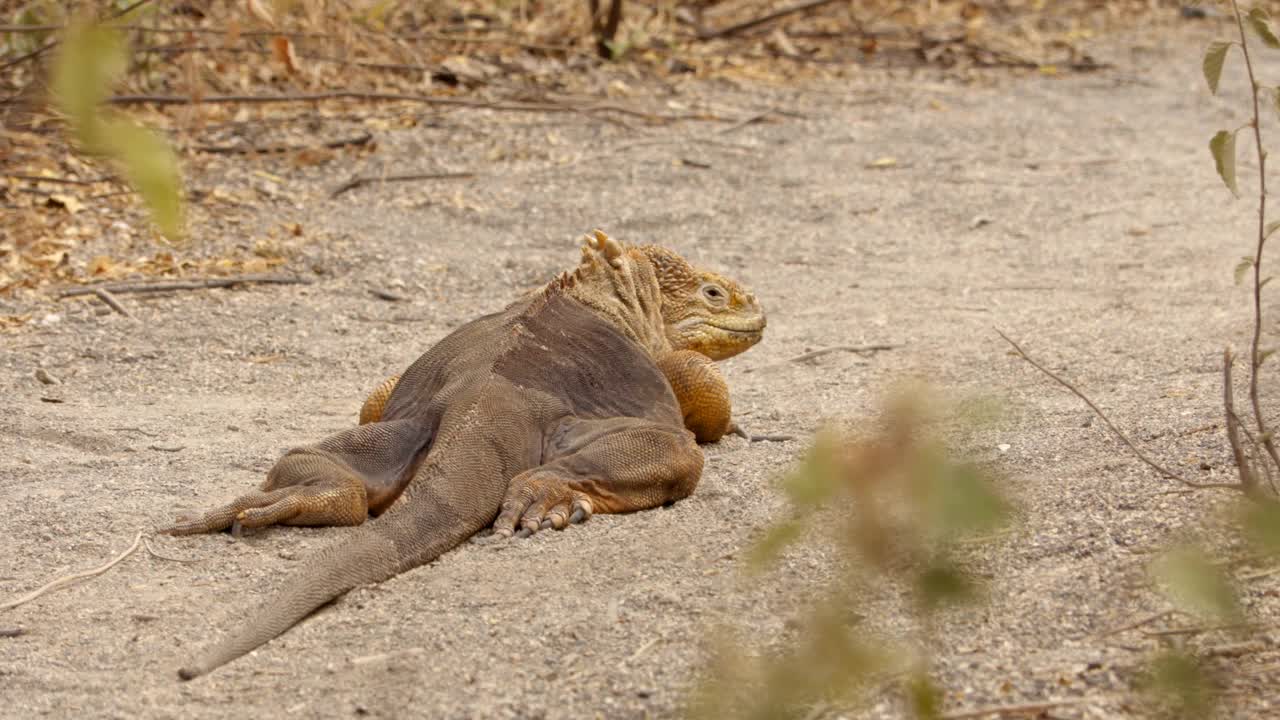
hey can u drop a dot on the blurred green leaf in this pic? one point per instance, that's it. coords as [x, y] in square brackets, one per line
[1262, 524]
[956, 498]
[775, 540]
[90, 59]
[1197, 584]
[942, 583]
[1214, 58]
[1181, 683]
[1260, 22]
[151, 168]
[1223, 149]
[816, 479]
[1274, 224]
[1242, 267]
[924, 697]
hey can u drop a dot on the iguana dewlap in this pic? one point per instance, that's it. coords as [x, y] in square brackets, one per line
[555, 408]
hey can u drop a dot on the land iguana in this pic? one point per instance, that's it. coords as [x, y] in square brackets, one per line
[573, 400]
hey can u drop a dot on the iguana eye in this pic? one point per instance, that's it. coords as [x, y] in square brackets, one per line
[715, 294]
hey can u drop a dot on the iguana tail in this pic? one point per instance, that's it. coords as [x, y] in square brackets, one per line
[409, 535]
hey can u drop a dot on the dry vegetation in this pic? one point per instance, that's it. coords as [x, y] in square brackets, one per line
[235, 79]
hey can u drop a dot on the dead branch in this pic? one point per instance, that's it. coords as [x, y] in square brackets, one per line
[1136, 624]
[825, 351]
[58, 180]
[1023, 709]
[356, 141]
[362, 180]
[110, 301]
[511, 106]
[709, 34]
[146, 542]
[11, 632]
[1110, 425]
[193, 284]
[69, 579]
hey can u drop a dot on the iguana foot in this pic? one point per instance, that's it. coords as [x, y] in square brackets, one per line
[540, 500]
[325, 500]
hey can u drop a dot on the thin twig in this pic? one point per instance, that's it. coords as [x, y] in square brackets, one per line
[708, 34]
[69, 579]
[514, 106]
[146, 542]
[58, 180]
[193, 284]
[1023, 709]
[362, 180]
[1103, 416]
[825, 351]
[110, 300]
[11, 632]
[1136, 624]
[1243, 466]
[356, 141]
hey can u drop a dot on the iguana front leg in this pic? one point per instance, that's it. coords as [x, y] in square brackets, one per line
[611, 466]
[699, 387]
[702, 392]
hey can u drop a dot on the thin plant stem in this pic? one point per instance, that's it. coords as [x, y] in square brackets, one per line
[1255, 358]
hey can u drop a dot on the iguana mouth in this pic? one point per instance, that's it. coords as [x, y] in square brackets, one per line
[754, 328]
[743, 327]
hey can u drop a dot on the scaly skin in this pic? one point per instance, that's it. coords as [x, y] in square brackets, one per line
[703, 312]
[532, 418]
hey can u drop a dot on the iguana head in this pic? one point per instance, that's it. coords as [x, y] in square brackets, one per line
[703, 311]
[657, 298]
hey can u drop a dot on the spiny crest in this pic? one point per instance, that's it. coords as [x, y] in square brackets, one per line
[673, 271]
[599, 244]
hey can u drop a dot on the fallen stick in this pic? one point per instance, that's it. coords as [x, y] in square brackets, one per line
[110, 300]
[69, 579]
[194, 284]
[11, 632]
[268, 149]
[1110, 425]
[1002, 710]
[362, 180]
[826, 351]
[708, 34]
[544, 107]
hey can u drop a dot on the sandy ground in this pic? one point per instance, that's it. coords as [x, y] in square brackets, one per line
[1080, 214]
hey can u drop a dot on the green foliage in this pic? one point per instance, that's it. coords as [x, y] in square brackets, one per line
[1214, 58]
[1223, 149]
[1242, 267]
[1261, 522]
[891, 507]
[1260, 22]
[1197, 584]
[924, 697]
[91, 59]
[1182, 684]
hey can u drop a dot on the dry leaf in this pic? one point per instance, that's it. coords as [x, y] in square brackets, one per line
[282, 48]
[259, 12]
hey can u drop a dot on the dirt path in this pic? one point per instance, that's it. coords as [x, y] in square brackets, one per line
[1080, 214]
